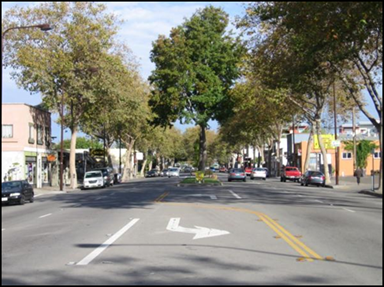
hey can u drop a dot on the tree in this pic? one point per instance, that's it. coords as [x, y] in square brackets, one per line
[81, 36]
[363, 150]
[343, 38]
[195, 69]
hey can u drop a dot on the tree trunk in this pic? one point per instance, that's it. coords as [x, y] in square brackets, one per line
[324, 153]
[72, 159]
[202, 148]
[309, 150]
[144, 164]
[127, 173]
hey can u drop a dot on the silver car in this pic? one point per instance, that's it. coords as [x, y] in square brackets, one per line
[173, 172]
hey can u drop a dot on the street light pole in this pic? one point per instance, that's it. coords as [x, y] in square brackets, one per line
[42, 27]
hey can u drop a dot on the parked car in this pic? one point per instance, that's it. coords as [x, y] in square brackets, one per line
[173, 171]
[313, 177]
[237, 174]
[259, 173]
[16, 191]
[108, 175]
[290, 173]
[152, 173]
[117, 178]
[248, 170]
[164, 172]
[93, 178]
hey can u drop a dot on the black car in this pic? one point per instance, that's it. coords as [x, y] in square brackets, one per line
[16, 191]
[108, 175]
[313, 177]
[152, 173]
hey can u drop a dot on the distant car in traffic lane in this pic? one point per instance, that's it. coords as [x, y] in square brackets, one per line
[259, 173]
[237, 174]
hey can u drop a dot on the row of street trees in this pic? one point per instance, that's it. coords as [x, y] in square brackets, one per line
[304, 51]
[293, 60]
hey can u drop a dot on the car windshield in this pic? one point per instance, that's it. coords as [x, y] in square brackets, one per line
[259, 169]
[5, 186]
[93, 174]
[237, 170]
[292, 169]
[173, 169]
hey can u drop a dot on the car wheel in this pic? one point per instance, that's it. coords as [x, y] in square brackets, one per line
[306, 184]
[22, 200]
[302, 184]
[244, 180]
[32, 199]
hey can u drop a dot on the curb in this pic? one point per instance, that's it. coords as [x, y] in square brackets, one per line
[372, 193]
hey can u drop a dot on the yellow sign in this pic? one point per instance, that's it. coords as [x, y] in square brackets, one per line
[327, 141]
[199, 175]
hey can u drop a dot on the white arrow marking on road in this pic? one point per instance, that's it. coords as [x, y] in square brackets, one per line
[200, 232]
[210, 195]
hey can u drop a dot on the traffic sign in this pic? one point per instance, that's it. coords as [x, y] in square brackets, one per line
[336, 143]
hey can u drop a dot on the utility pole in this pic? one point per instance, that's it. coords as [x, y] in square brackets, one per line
[337, 148]
[354, 138]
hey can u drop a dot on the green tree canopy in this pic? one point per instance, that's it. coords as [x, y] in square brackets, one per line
[195, 69]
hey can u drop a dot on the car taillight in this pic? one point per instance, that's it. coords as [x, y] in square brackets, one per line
[323, 177]
[310, 177]
[233, 173]
[242, 174]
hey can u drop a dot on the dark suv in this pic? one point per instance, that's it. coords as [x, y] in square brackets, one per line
[108, 175]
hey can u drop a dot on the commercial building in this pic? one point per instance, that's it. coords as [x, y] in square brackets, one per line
[25, 144]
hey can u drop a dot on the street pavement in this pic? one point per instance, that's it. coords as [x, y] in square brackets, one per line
[152, 232]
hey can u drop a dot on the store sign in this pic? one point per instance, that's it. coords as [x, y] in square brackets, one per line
[51, 157]
[327, 141]
[96, 152]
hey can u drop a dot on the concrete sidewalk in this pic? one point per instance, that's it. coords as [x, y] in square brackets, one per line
[349, 183]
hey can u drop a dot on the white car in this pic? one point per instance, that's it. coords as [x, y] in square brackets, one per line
[93, 179]
[173, 171]
[259, 173]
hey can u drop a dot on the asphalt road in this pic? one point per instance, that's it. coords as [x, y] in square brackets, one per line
[153, 232]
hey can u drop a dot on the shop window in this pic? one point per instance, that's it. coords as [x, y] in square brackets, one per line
[7, 131]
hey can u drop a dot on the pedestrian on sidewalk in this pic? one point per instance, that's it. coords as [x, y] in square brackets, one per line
[358, 173]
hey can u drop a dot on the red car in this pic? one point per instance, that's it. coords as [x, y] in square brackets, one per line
[290, 173]
[223, 169]
[248, 170]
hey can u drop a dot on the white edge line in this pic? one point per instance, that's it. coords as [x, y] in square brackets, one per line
[107, 243]
[45, 215]
[350, 210]
[234, 194]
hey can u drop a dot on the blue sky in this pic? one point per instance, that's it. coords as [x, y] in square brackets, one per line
[143, 22]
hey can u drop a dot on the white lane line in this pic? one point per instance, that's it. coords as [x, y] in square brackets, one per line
[350, 210]
[45, 215]
[107, 243]
[234, 194]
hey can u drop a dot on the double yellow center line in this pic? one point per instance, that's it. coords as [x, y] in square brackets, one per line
[307, 253]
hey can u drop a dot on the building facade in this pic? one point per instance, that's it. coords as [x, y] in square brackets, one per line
[25, 144]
